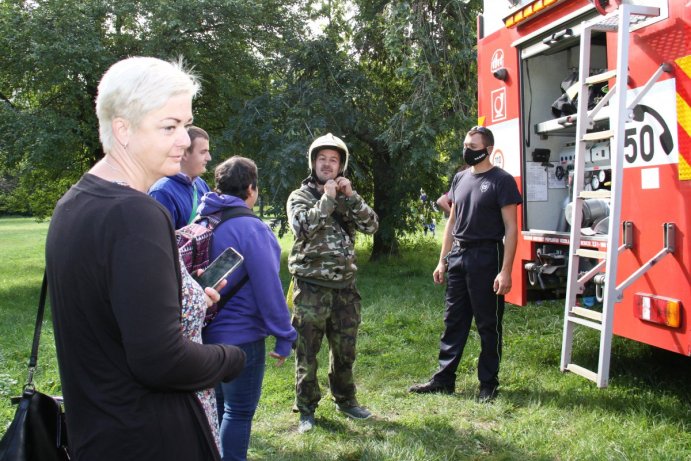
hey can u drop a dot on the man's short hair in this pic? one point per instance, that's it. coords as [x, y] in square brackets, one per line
[485, 134]
[133, 87]
[195, 132]
[235, 175]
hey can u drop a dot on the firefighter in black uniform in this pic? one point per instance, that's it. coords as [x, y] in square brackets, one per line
[477, 252]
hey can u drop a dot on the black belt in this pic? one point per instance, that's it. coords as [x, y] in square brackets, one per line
[463, 244]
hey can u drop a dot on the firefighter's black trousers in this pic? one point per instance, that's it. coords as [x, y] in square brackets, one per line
[472, 269]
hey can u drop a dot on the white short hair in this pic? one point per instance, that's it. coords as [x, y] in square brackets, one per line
[133, 87]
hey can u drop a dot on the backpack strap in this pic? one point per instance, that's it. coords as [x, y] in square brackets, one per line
[230, 213]
[233, 291]
[235, 212]
[214, 220]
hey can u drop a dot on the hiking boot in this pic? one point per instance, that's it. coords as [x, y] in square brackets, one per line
[487, 394]
[431, 387]
[355, 412]
[306, 424]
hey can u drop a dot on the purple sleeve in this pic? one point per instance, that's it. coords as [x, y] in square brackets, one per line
[262, 261]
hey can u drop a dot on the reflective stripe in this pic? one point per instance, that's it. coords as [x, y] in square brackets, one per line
[496, 308]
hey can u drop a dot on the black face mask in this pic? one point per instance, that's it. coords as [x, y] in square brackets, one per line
[473, 157]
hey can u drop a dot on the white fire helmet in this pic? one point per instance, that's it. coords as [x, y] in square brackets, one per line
[329, 141]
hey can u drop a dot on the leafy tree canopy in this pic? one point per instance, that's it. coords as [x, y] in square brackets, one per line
[55, 52]
[394, 79]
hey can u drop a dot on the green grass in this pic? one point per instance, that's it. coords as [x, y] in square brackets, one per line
[540, 414]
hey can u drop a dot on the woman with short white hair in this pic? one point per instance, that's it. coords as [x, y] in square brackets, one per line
[128, 373]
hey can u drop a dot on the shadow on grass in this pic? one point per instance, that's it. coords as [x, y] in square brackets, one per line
[19, 305]
[21, 298]
[643, 380]
[381, 439]
[645, 368]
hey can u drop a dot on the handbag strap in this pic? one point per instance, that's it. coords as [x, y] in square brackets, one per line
[33, 359]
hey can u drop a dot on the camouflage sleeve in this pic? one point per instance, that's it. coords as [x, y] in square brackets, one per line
[305, 215]
[364, 217]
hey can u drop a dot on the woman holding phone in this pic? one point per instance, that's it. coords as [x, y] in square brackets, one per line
[128, 373]
[258, 309]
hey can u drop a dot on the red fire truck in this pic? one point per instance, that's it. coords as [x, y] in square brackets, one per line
[590, 105]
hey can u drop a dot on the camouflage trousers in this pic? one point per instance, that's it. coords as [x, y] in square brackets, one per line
[333, 312]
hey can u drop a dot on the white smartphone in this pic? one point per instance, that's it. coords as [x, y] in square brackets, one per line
[220, 268]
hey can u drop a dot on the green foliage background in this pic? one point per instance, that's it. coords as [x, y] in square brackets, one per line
[395, 79]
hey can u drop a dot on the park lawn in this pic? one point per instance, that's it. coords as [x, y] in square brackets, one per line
[540, 414]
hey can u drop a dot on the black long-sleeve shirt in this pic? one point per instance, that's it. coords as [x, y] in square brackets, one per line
[127, 372]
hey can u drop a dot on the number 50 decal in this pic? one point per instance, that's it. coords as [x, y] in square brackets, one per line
[641, 139]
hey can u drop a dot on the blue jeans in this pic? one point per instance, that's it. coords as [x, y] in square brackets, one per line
[237, 402]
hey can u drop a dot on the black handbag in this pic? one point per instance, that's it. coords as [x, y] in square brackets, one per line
[38, 430]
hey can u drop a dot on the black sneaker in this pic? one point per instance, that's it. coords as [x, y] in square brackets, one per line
[431, 387]
[355, 412]
[487, 394]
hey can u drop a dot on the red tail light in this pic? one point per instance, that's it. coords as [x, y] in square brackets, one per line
[658, 309]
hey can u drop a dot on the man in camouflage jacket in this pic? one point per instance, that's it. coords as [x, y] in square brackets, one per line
[324, 215]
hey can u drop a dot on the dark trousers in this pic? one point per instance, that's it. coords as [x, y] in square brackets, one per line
[470, 294]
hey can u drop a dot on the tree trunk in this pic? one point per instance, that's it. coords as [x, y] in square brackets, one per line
[385, 242]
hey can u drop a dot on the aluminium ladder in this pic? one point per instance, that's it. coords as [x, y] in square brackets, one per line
[618, 21]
